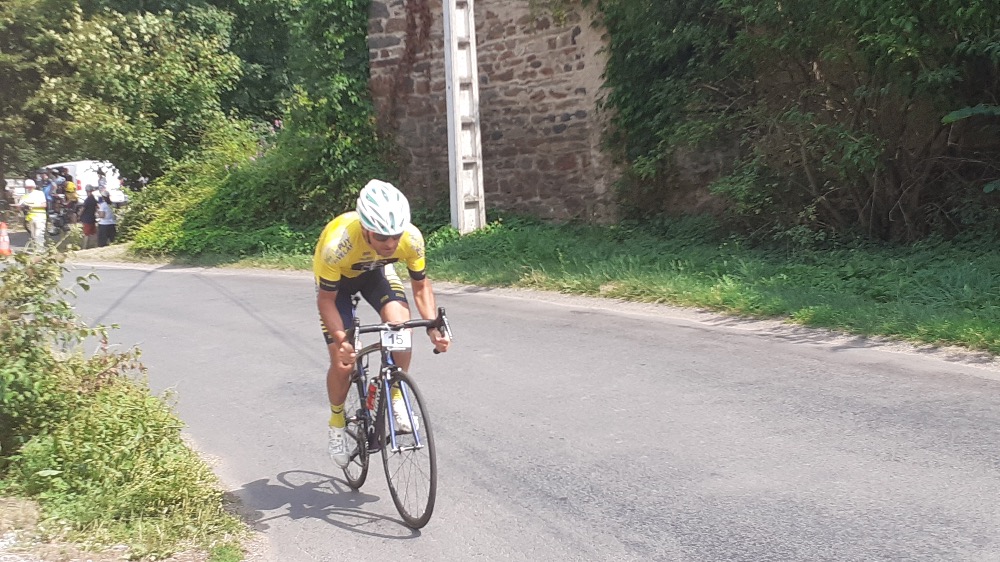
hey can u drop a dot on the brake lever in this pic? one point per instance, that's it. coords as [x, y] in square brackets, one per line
[444, 327]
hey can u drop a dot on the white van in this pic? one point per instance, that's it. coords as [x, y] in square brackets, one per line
[95, 173]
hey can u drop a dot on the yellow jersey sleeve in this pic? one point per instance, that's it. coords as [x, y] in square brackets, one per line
[333, 251]
[414, 252]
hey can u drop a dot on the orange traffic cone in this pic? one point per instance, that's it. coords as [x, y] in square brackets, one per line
[4, 240]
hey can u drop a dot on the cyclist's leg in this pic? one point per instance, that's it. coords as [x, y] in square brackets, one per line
[338, 383]
[338, 376]
[385, 293]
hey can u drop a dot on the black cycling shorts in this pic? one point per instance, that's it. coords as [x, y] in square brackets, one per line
[375, 286]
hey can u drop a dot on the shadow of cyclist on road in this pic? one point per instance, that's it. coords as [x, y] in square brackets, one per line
[306, 494]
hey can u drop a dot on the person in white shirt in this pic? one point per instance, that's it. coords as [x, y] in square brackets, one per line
[34, 204]
[106, 229]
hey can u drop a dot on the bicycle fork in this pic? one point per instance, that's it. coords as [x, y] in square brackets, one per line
[396, 448]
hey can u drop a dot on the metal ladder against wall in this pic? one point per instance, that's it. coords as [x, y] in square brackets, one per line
[465, 161]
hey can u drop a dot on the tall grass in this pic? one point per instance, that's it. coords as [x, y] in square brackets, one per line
[936, 292]
[83, 436]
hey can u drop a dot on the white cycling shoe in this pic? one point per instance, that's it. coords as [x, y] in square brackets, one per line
[337, 447]
[401, 417]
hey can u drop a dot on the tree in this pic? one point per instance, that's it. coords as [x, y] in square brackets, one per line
[261, 39]
[140, 90]
[23, 42]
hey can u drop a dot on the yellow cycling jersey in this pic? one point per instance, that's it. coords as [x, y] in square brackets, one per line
[343, 252]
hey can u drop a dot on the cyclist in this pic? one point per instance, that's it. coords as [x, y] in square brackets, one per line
[355, 253]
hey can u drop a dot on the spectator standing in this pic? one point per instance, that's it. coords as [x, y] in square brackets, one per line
[88, 218]
[72, 199]
[34, 203]
[106, 227]
[49, 186]
[60, 178]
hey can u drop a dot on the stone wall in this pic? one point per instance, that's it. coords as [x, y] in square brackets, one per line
[539, 81]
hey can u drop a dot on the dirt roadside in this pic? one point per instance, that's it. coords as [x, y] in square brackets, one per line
[20, 540]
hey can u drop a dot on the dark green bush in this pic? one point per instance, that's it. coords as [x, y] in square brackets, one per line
[42, 378]
[842, 117]
[119, 458]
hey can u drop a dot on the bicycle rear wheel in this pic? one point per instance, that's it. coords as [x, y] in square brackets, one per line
[410, 463]
[357, 431]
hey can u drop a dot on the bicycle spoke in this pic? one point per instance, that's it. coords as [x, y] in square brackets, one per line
[412, 477]
[412, 473]
[408, 457]
[357, 471]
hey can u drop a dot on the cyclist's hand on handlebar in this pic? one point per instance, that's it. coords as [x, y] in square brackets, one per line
[346, 354]
[440, 341]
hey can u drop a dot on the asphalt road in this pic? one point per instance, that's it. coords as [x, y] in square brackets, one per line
[17, 237]
[582, 429]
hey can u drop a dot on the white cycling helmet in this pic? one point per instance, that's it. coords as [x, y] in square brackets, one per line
[383, 208]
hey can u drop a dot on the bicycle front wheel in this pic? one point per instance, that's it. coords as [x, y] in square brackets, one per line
[357, 433]
[408, 456]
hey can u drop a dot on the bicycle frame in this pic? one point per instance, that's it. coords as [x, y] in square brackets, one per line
[386, 374]
[408, 455]
[384, 380]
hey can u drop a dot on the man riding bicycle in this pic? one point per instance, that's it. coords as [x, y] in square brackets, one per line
[355, 253]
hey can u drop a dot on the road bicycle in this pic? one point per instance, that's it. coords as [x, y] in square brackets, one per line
[407, 448]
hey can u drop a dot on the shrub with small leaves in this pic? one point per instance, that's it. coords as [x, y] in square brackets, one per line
[43, 376]
[83, 435]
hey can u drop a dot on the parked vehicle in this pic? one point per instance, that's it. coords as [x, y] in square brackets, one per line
[99, 173]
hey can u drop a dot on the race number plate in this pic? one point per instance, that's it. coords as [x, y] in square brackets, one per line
[396, 340]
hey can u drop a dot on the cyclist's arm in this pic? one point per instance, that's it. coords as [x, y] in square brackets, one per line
[423, 294]
[327, 272]
[424, 297]
[426, 305]
[416, 266]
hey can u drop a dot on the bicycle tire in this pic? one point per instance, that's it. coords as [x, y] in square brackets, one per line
[415, 505]
[356, 472]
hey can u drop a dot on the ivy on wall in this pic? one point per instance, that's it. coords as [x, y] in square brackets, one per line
[833, 110]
